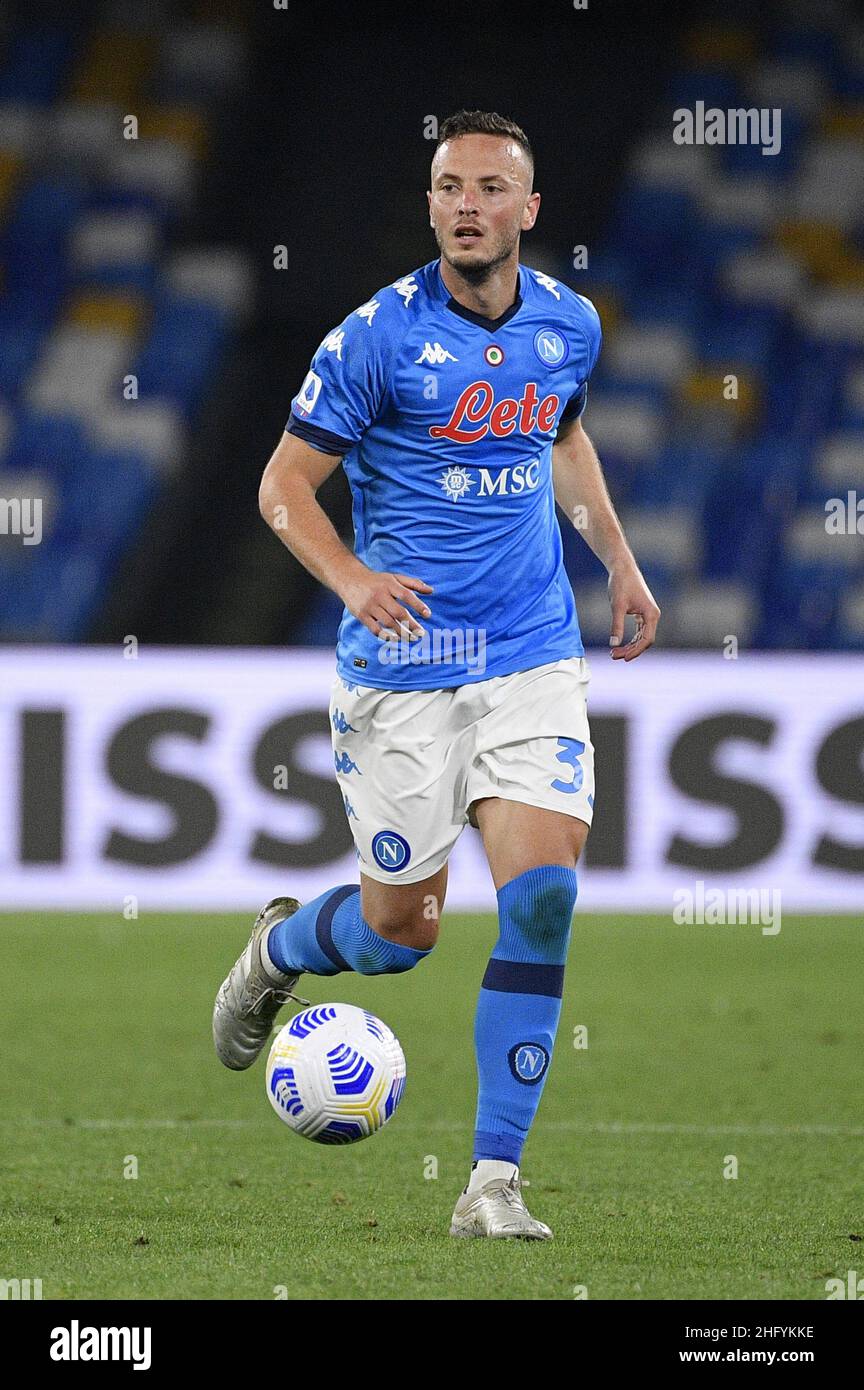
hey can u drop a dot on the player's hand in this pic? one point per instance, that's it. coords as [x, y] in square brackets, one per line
[382, 602]
[629, 594]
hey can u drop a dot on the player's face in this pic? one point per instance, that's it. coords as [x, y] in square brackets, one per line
[480, 201]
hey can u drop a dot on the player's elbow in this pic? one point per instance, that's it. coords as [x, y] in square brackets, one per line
[268, 502]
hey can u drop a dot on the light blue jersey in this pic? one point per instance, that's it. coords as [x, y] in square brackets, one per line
[446, 421]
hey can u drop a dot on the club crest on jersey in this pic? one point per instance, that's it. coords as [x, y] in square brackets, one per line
[308, 393]
[435, 355]
[494, 355]
[476, 414]
[550, 347]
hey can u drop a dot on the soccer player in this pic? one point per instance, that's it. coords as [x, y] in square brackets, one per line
[453, 399]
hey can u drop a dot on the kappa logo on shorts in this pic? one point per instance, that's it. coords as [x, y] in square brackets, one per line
[571, 751]
[390, 850]
[528, 1062]
[340, 723]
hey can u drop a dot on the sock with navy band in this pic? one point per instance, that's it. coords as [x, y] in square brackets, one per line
[329, 935]
[519, 1006]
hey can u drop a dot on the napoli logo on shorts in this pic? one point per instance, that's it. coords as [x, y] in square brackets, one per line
[550, 347]
[528, 1062]
[390, 851]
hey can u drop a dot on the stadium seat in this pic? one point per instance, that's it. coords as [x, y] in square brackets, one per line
[849, 632]
[653, 355]
[79, 368]
[704, 614]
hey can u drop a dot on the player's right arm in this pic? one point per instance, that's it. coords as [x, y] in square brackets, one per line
[382, 602]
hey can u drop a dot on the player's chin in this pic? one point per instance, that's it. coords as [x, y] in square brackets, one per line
[469, 256]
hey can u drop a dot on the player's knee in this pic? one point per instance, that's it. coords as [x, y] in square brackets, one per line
[407, 915]
[539, 904]
[405, 928]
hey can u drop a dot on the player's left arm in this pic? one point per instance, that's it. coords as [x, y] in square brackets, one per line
[581, 492]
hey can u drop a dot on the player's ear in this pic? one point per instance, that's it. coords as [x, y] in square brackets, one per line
[530, 211]
[429, 201]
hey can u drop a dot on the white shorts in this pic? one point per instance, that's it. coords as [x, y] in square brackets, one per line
[409, 763]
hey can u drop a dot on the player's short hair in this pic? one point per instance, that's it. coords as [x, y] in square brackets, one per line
[484, 123]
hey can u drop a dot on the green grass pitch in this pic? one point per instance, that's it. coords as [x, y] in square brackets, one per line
[703, 1042]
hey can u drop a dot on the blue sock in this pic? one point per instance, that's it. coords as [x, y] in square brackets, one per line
[519, 1006]
[329, 935]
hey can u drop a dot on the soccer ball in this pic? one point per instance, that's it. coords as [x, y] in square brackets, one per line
[335, 1074]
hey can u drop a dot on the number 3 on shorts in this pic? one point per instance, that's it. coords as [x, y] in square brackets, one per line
[571, 749]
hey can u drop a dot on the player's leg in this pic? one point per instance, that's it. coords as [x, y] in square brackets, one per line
[532, 855]
[532, 790]
[517, 837]
[376, 929]
[390, 754]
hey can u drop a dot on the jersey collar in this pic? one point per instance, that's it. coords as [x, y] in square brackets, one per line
[491, 325]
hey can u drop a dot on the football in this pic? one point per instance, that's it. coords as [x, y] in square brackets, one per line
[335, 1073]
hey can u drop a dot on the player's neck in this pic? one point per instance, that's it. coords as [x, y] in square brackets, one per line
[492, 297]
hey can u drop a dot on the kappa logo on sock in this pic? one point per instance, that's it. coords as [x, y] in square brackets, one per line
[528, 1062]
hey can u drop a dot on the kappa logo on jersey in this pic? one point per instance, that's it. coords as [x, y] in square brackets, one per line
[407, 287]
[477, 402]
[368, 310]
[308, 393]
[550, 347]
[507, 482]
[333, 342]
[435, 355]
[548, 283]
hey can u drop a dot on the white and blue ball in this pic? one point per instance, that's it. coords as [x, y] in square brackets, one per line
[335, 1073]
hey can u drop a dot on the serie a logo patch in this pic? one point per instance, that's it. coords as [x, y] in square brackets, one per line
[528, 1062]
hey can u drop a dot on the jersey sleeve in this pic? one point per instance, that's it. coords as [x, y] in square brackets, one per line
[589, 327]
[344, 388]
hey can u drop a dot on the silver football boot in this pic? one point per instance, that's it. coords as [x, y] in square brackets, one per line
[498, 1211]
[251, 997]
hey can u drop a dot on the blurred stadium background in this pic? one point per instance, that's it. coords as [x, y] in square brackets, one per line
[191, 195]
[153, 258]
